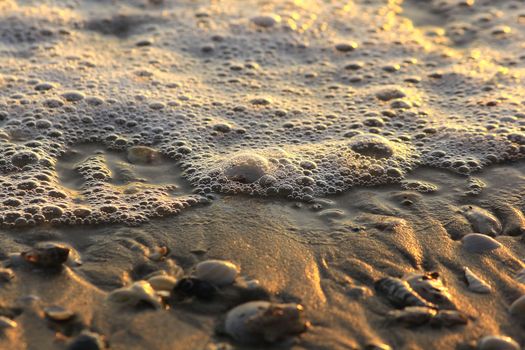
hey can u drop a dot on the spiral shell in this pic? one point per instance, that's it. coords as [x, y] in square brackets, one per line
[218, 272]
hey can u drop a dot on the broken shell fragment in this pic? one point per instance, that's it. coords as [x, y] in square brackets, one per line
[498, 342]
[138, 292]
[6, 274]
[218, 272]
[47, 254]
[430, 286]
[400, 293]
[257, 321]
[142, 155]
[475, 283]
[58, 313]
[481, 220]
[413, 315]
[6, 323]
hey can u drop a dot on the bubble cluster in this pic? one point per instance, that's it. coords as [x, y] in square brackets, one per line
[292, 99]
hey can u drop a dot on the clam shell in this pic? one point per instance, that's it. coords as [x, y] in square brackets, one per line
[517, 308]
[475, 283]
[57, 313]
[430, 286]
[7, 323]
[218, 272]
[162, 282]
[498, 342]
[482, 220]
[87, 340]
[479, 243]
[140, 291]
[257, 321]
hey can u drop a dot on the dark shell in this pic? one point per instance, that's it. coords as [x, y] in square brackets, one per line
[194, 287]
[47, 255]
[449, 318]
[87, 341]
[400, 293]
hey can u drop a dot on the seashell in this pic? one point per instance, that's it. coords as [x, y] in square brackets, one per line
[140, 291]
[498, 342]
[520, 276]
[475, 283]
[413, 315]
[400, 293]
[162, 282]
[449, 318]
[481, 220]
[479, 243]
[517, 308]
[218, 272]
[257, 321]
[6, 323]
[159, 253]
[88, 340]
[58, 313]
[47, 254]
[194, 287]
[6, 274]
[430, 287]
[377, 346]
[142, 155]
[513, 220]
[266, 20]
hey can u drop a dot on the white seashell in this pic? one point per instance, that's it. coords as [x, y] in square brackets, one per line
[479, 243]
[162, 282]
[137, 292]
[498, 342]
[257, 321]
[7, 323]
[482, 220]
[517, 308]
[475, 283]
[218, 272]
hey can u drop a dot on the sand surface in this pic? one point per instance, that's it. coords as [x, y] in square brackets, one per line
[320, 146]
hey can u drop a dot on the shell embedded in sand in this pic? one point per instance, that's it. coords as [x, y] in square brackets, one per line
[162, 282]
[479, 243]
[482, 220]
[142, 155]
[159, 253]
[6, 274]
[218, 272]
[498, 342]
[266, 20]
[88, 340]
[413, 315]
[449, 318]
[517, 308]
[7, 323]
[430, 286]
[264, 321]
[140, 291]
[475, 283]
[47, 254]
[193, 287]
[58, 313]
[400, 293]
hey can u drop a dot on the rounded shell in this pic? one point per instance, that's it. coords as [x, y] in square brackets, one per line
[498, 342]
[479, 243]
[481, 220]
[266, 20]
[475, 283]
[58, 313]
[142, 155]
[162, 282]
[258, 321]
[517, 308]
[218, 272]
